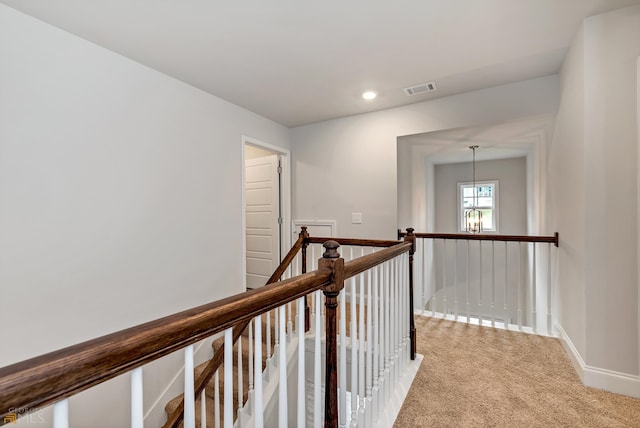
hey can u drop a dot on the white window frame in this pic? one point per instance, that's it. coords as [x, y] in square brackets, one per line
[495, 207]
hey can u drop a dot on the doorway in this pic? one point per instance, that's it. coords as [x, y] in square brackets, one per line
[264, 209]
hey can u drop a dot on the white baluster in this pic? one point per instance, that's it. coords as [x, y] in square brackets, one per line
[404, 315]
[189, 397]
[376, 341]
[315, 300]
[216, 399]
[534, 290]
[257, 367]
[480, 286]
[61, 414]
[289, 322]
[408, 311]
[393, 305]
[137, 412]
[444, 278]
[421, 253]
[400, 316]
[203, 409]
[353, 333]
[250, 357]
[398, 312]
[268, 334]
[468, 278]
[520, 286]
[369, 351]
[387, 332]
[240, 379]
[301, 366]
[317, 366]
[282, 366]
[493, 284]
[506, 285]
[455, 279]
[342, 362]
[549, 316]
[277, 329]
[361, 349]
[396, 324]
[322, 301]
[228, 378]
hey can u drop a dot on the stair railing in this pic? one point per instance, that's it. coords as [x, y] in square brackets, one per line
[52, 378]
[503, 280]
[216, 361]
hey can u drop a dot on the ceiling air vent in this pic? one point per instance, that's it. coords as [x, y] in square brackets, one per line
[421, 88]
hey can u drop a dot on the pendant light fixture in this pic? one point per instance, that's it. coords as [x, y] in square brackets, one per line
[473, 216]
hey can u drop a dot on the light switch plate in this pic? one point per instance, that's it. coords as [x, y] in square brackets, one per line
[356, 218]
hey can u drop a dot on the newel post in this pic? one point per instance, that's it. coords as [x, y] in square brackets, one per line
[410, 237]
[331, 259]
[305, 243]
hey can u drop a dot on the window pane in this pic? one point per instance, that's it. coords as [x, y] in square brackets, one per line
[483, 197]
[485, 202]
[485, 190]
[467, 191]
[487, 219]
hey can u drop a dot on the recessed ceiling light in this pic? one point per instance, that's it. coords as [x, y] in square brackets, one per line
[369, 95]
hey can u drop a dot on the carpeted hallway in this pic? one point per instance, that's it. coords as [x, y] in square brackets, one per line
[475, 376]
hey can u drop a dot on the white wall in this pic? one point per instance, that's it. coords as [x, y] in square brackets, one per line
[350, 164]
[612, 44]
[115, 203]
[512, 193]
[566, 195]
[593, 190]
[512, 220]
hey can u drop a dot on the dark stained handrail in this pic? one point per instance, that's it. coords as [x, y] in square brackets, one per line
[364, 263]
[215, 362]
[486, 237]
[354, 241]
[43, 380]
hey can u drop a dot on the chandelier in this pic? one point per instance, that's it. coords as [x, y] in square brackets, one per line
[473, 216]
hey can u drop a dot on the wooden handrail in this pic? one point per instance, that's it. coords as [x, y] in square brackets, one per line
[354, 241]
[201, 382]
[215, 362]
[364, 263]
[48, 378]
[485, 237]
[43, 380]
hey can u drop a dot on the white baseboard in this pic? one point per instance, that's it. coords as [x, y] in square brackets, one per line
[595, 377]
[398, 395]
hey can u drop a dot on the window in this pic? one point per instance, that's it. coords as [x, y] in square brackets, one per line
[487, 203]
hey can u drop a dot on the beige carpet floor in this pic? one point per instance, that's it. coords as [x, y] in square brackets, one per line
[474, 376]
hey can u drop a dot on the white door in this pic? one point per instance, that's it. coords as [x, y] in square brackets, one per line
[262, 196]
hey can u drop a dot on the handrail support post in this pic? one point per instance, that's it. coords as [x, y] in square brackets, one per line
[304, 234]
[410, 237]
[331, 259]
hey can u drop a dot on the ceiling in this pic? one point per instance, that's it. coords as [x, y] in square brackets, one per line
[301, 62]
[512, 139]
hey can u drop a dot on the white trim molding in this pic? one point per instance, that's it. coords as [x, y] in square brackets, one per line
[595, 377]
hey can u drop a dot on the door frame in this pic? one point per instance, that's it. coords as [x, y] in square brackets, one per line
[285, 199]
